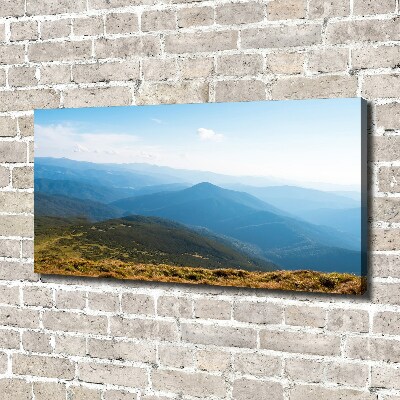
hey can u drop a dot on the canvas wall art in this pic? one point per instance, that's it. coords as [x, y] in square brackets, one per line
[264, 194]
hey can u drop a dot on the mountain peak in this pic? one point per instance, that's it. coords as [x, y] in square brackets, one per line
[205, 186]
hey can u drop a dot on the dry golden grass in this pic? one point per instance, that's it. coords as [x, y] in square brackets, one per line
[307, 281]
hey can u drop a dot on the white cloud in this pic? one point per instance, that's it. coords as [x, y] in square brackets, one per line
[158, 121]
[209, 134]
[66, 141]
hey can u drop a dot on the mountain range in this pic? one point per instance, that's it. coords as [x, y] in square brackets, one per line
[281, 227]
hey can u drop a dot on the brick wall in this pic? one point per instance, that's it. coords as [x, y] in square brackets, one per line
[64, 338]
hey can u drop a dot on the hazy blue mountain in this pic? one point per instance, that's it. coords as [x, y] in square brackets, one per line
[202, 197]
[103, 194]
[249, 220]
[351, 194]
[345, 220]
[295, 200]
[98, 174]
[62, 206]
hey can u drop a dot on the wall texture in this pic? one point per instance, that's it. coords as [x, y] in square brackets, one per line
[63, 338]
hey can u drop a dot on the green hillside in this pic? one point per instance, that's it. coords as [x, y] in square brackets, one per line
[136, 239]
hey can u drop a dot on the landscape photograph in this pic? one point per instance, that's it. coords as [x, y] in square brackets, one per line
[267, 194]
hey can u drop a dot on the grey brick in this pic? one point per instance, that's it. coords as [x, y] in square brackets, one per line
[300, 342]
[128, 47]
[70, 345]
[305, 316]
[106, 4]
[258, 312]
[4, 176]
[38, 296]
[122, 375]
[9, 339]
[281, 36]
[122, 350]
[239, 64]
[381, 86]
[316, 87]
[70, 299]
[387, 116]
[132, 303]
[173, 93]
[108, 302]
[328, 60]
[285, 63]
[37, 342]
[49, 390]
[96, 97]
[26, 100]
[328, 8]
[49, 367]
[72, 322]
[307, 392]
[16, 225]
[24, 30]
[10, 270]
[159, 69]
[22, 76]
[175, 356]
[158, 20]
[12, 8]
[377, 349]
[240, 90]
[16, 202]
[84, 393]
[240, 13]
[201, 42]
[385, 239]
[25, 125]
[12, 54]
[54, 7]
[171, 306]
[59, 28]
[219, 335]
[257, 364]
[60, 51]
[362, 31]
[375, 57]
[12, 389]
[199, 67]
[196, 16]
[141, 328]
[9, 295]
[369, 7]
[10, 248]
[192, 384]
[22, 177]
[249, 389]
[387, 377]
[213, 360]
[298, 369]
[385, 265]
[104, 72]
[90, 26]
[387, 323]
[386, 293]
[122, 23]
[121, 395]
[385, 209]
[281, 10]
[348, 374]
[55, 74]
[8, 126]
[386, 148]
[348, 320]
[212, 309]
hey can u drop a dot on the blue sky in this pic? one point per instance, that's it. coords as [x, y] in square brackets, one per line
[302, 140]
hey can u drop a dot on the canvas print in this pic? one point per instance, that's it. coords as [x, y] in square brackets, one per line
[266, 194]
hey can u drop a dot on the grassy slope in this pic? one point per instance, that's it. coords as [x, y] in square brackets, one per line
[59, 249]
